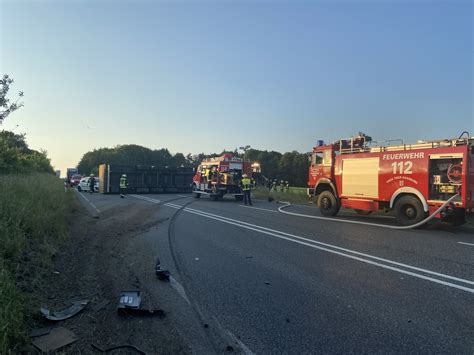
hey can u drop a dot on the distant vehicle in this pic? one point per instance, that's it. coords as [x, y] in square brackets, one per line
[69, 173]
[217, 177]
[75, 179]
[84, 186]
[414, 180]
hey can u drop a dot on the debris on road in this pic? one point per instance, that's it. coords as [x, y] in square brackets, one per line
[65, 313]
[56, 339]
[229, 349]
[129, 304]
[162, 274]
[133, 347]
[249, 257]
[40, 332]
[266, 283]
[130, 299]
[196, 259]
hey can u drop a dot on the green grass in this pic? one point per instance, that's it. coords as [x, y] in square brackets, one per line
[34, 212]
[296, 195]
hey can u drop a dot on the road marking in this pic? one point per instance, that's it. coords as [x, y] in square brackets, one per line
[90, 203]
[466, 243]
[344, 249]
[467, 289]
[149, 199]
[258, 208]
[324, 246]
[182, 196]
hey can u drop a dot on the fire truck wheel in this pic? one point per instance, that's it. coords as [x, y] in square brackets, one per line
[328, 204]
[409, 210]
[362, 212]
[195, 194]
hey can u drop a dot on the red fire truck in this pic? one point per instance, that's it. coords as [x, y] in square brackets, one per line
[413, 180]
[219, 176]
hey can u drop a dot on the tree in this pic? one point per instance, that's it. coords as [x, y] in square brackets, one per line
[6, 107]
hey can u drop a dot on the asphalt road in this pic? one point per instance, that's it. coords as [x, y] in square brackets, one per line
[277, 283]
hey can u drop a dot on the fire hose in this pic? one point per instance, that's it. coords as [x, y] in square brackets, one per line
[426, 220]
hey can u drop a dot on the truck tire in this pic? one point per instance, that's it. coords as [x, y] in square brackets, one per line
[409, 210]
[195, 194]
[328, 204]
[362, 212]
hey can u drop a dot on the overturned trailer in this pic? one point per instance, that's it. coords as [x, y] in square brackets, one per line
[145, 179]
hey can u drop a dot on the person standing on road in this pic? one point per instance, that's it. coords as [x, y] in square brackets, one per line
[246, 184]
[123, 185]
[91, 184]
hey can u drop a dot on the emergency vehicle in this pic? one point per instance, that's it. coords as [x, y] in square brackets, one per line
[413, 180]
[219, 176]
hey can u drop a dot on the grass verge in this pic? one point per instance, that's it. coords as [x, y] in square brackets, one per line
[295, 195]
[34, 215]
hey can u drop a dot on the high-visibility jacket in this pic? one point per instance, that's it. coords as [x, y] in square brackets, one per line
[123, 182]
[246, 183]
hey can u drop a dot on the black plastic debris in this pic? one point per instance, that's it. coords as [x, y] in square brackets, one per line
[126, 346]
[65, 313]
[162, 274]
[129, 304]
[229, 349]
[267, 283]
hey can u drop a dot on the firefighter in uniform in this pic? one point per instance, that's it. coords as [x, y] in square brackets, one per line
[287, 186]
[123, 185]
[282, 185]
[274, 185]
[246, 185]
[91, 184]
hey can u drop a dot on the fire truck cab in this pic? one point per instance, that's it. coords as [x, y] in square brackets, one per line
[413, 180]
[219, 176]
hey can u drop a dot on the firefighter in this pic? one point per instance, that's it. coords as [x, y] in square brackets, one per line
[123, 185]
[287, 186]
[91, 184]
[254, 183]
[246, 185]
[282, 185]
[274, 185]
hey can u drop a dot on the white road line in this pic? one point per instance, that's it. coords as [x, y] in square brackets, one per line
[89, 202]
[182, 196]
[258, 208]
[342, 249]
[149, 199]
[445, 283]
[313, 244]
[466, 243]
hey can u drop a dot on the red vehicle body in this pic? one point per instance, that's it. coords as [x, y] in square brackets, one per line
[75, 179]
[413, 180]
[219, 176]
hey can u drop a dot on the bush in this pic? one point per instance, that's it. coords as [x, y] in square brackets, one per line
[34, 211]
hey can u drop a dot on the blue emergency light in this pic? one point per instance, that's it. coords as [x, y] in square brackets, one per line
[319, 143]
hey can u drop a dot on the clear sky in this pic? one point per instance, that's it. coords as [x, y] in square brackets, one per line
[201, 76]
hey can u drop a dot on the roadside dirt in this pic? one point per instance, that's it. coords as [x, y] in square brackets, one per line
[101, 258]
